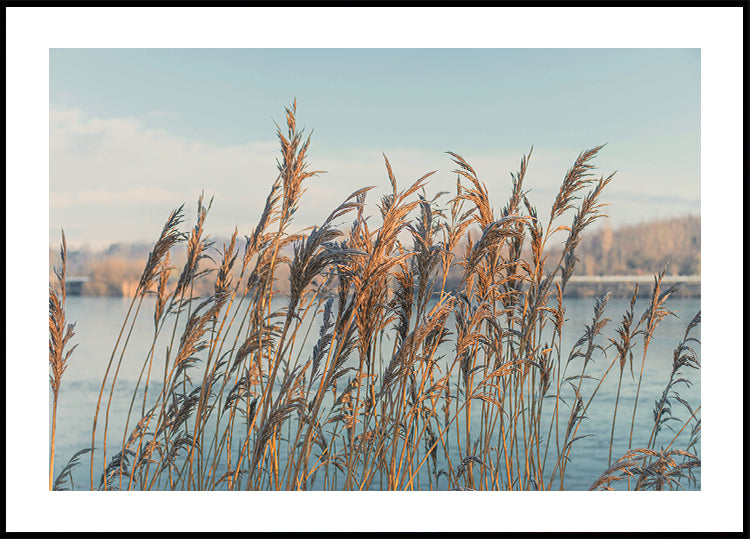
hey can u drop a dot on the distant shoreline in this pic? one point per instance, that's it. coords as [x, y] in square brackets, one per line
[579, 286]
[624, 285]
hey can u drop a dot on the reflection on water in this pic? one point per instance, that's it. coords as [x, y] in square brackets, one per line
[98, 321]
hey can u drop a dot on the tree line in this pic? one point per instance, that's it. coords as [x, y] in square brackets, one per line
[640, 249]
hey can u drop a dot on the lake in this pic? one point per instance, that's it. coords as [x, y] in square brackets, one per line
[98, 321]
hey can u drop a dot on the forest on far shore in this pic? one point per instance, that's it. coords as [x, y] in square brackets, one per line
[641, 249]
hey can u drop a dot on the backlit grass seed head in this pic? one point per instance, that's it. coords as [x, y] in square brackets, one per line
[575, 180]
[170, 236]
[197, 245]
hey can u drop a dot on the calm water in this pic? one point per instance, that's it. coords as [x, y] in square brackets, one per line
[98, 322]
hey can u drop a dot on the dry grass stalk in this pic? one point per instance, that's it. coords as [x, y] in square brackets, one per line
[60, 334]
[413, 380]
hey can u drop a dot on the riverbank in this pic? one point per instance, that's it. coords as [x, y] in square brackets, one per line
[579, 286]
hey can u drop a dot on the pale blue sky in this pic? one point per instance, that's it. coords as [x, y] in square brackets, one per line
[135, 132]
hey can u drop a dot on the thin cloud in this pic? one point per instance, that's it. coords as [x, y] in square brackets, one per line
[139, 196]
[140, 173]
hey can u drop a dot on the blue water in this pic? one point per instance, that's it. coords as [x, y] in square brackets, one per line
[98, 321]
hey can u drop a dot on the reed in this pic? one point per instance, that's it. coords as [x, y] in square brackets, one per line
[60, 334]
[371, 373]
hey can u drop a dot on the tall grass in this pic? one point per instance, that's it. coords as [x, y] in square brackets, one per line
[60, 334]
[371, 373]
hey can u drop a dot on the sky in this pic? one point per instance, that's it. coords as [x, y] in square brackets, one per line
[135, 133]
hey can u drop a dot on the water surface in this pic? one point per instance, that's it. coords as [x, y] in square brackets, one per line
[98, 321]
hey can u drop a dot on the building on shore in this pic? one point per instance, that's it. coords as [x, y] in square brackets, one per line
[74, 285]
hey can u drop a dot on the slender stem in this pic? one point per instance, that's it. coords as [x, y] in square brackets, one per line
[52, 440]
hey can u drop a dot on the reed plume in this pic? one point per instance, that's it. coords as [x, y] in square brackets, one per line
[420, 348]
[60, 334]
